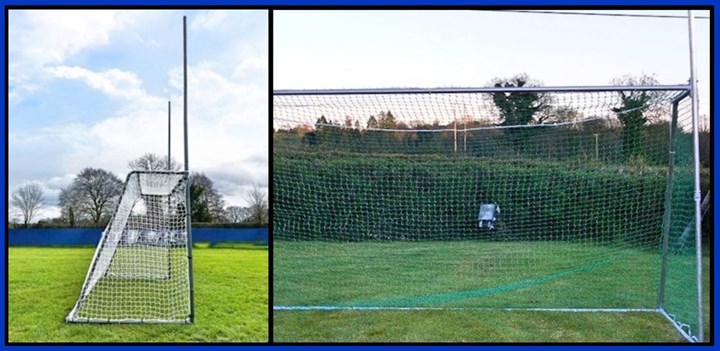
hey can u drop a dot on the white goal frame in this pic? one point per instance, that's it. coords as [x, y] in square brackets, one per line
[116, 235]
[683, 91]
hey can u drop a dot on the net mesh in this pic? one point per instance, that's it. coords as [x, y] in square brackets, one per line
[376, 200]
[680, 296]
[140, 270]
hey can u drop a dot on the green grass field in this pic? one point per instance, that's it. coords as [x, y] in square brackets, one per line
[467, 276]
[231, 298]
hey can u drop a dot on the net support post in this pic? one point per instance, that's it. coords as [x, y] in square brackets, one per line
[188, 212]
[696, 154]
[667, 218]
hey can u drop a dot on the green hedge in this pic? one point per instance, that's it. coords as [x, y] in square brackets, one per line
[324, 196]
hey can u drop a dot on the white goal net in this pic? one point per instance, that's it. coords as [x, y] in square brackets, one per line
[140, 271]
[563, 199]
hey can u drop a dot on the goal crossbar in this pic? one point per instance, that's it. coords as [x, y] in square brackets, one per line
[459, 90]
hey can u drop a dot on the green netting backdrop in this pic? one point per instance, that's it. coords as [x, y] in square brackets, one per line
[376, 197]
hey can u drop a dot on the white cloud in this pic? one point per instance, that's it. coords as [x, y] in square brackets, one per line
[113, 82]
[227, 120]
[251, 66]
[43, 38]
[50, 36]
[209, 20]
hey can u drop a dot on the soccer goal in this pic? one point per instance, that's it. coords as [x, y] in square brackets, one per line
[389, 199]
[140, 272]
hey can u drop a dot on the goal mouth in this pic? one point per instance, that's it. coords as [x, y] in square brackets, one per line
[140, 271]
[391, 198]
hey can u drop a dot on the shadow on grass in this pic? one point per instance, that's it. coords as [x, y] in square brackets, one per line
[232, 245]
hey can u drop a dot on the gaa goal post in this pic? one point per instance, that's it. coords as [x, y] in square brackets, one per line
[140, 271]
[385, 187]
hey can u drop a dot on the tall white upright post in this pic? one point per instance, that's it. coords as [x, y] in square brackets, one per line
[696, 153]
[169, 167]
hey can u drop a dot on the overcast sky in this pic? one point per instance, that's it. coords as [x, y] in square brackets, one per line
[90, 89]
[373, 49]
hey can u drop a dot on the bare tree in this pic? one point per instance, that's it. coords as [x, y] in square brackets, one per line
[28, 200]
[237, 214]
[257, 200]
[92, 195]
[153, 162]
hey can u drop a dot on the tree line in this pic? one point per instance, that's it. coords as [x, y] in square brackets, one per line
[631, 134]
[91, 199]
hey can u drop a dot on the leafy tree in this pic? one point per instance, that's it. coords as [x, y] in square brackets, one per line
[71, 217]
[321, 122]
[28, 200]
[325, 130]
[200, 211]
[386, 120]
[205, 195]
[632, 112]
[372, 122]
[93, 195]
[153, 162]
[518, 108]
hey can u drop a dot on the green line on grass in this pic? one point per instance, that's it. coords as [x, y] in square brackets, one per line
[414, 301]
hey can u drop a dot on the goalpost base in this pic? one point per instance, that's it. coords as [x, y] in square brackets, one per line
[128, 321]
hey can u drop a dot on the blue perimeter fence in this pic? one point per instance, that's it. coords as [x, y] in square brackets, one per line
[91, 236]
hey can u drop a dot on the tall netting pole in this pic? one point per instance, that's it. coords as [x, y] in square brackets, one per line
[667, 225]
[696, 153]
[169, 168]
[188, 211]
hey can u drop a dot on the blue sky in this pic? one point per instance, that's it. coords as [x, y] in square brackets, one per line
[373, 49]
[90, 89]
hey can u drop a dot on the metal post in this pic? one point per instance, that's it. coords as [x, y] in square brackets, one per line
[169, 168]
[597, 151]
[455, 129]
[667, 218]
[169, 197]
[696, 153]
[465, 118]
[188, 212]
[569, 89]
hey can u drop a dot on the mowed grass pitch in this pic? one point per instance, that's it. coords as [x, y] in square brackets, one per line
[231, 298]
[463, 275]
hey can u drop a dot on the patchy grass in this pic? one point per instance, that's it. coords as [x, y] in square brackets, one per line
[470, 326]
[468, 276]
[231, 299]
